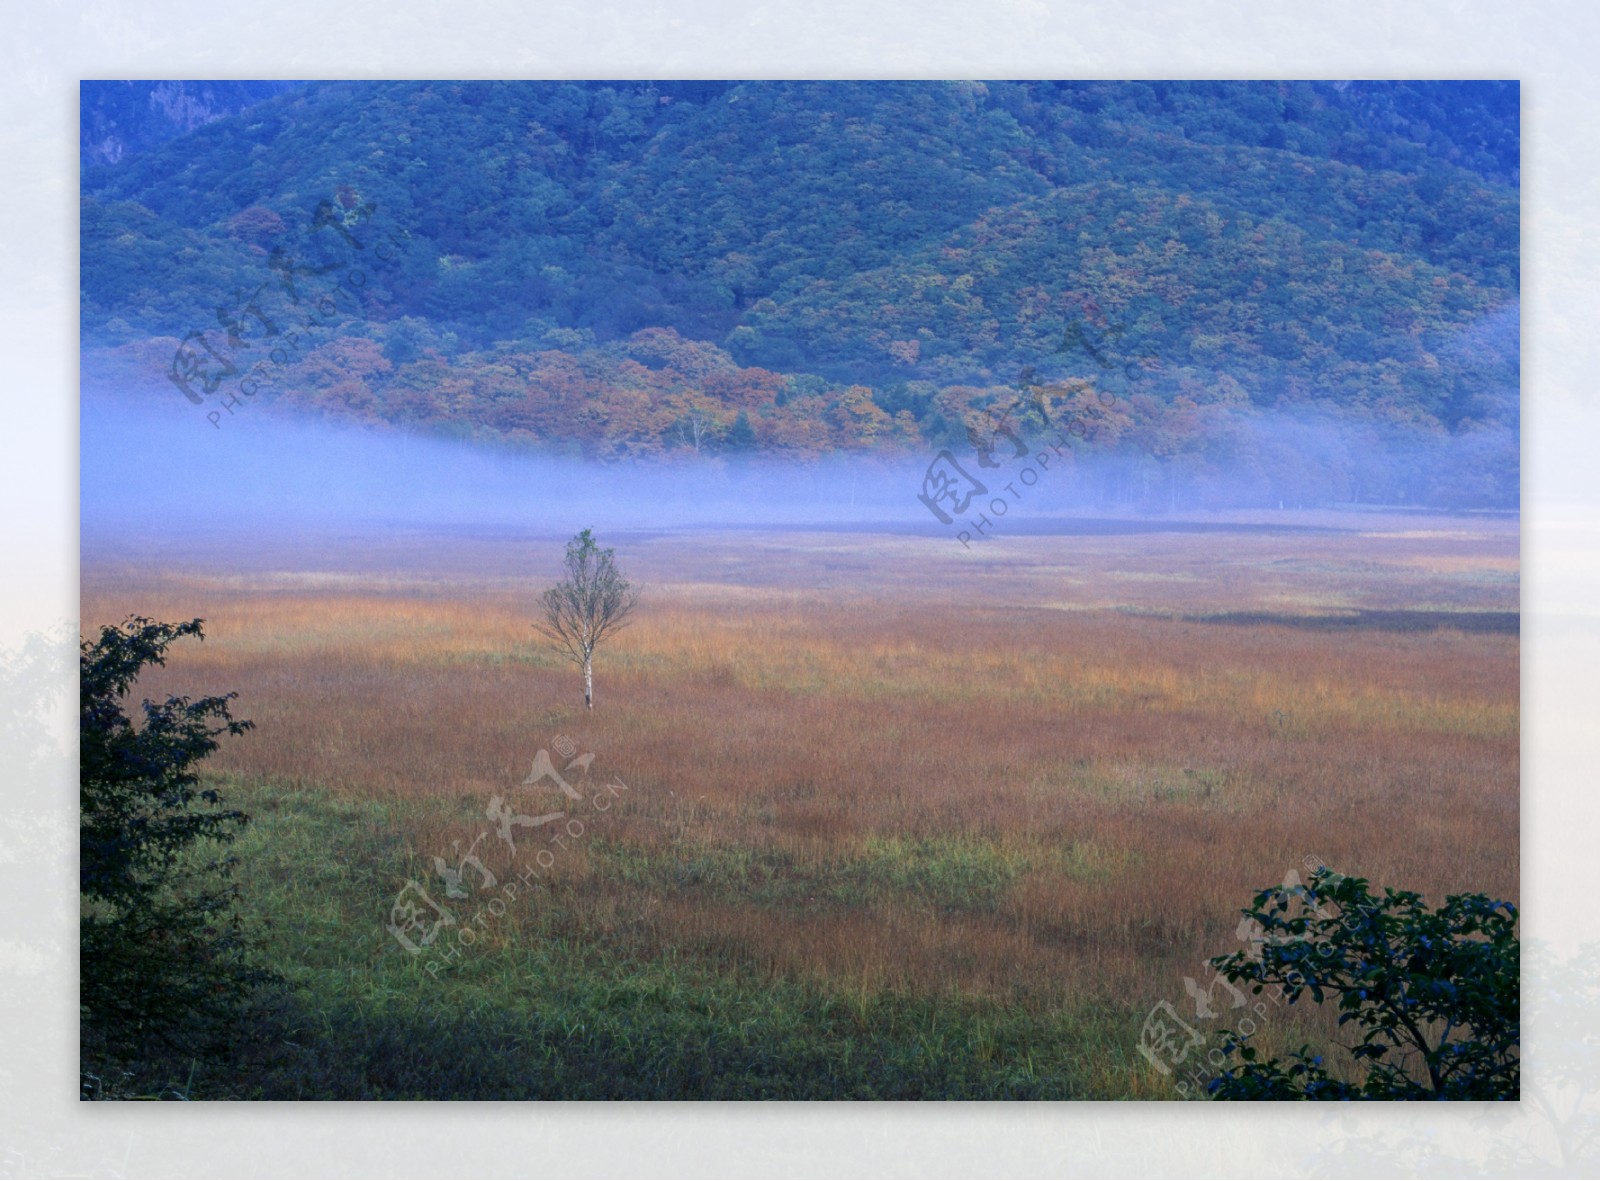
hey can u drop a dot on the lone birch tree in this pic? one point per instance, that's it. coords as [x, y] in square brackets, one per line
[593, 601]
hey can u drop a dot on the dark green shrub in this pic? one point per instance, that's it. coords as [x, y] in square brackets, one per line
[1433, 994]
[163, 961]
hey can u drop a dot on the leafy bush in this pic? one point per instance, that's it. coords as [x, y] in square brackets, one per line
[163, 960]
[1434, 993]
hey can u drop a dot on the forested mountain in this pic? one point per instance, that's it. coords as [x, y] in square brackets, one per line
[637, 268]
[118, 120]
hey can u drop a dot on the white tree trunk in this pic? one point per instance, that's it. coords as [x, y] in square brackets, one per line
[588, 684]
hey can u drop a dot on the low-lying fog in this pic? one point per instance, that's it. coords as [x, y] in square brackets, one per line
[154, 469]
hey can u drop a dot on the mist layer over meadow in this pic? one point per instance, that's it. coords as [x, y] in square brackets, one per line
[164, 469]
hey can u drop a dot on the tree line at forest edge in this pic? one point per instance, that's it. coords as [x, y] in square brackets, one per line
[1318, 281]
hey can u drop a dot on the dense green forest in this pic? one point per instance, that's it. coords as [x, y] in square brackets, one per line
[118, 120]
[1256, 291]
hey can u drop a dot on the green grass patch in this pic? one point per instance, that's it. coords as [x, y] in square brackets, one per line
[946, 874]
[538, 1008]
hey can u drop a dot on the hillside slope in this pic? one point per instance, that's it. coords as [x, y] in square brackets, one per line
[639, 268]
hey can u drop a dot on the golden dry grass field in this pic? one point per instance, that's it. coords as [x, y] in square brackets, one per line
[965, 815]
